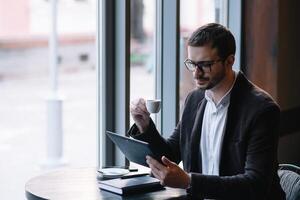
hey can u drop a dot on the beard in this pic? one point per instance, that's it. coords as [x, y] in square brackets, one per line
[210, 82]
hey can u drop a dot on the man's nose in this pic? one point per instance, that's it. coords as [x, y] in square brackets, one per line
[198, 71]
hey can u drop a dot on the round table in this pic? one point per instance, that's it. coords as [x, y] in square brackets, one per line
[82, 184]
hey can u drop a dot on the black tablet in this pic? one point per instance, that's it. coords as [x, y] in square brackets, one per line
[134, 150]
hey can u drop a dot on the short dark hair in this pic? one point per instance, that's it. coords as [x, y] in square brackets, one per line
[217, 36]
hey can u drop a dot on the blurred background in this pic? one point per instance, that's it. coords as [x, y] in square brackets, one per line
[25, 28]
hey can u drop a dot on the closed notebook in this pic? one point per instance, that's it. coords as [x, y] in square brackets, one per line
[131, 185]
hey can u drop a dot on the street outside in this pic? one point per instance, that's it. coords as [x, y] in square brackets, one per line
[23, 127]
[23, 123]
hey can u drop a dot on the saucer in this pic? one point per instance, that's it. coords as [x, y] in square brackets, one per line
[113, 172]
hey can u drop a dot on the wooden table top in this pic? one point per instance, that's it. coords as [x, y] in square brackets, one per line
[81, 183]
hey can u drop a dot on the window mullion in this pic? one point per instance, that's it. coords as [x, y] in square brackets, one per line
[167, 48]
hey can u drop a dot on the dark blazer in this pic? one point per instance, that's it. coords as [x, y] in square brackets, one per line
[248, 165]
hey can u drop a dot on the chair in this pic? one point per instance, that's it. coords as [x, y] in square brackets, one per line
[290, 180]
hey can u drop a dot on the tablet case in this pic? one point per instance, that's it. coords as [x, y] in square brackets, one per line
[134, 150]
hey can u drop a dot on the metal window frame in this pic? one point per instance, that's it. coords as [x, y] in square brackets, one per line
[231, 16]
[167, 64]
[113, 62]
[222, 7]
[235, 25]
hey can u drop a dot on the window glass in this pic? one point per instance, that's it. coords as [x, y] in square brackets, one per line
[193, 14]
[142, 50]
[25, 87]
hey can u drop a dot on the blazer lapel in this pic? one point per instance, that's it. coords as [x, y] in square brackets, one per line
[195, 155]
[232, 117]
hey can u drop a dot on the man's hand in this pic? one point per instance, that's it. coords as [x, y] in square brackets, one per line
[140, 114]
[169, 174]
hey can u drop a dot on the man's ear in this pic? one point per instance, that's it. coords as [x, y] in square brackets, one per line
[230, 60]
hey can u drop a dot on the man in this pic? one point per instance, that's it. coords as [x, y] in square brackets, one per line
[228, 133]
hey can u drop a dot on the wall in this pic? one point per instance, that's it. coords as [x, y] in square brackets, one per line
[289, 54]
[270, 58]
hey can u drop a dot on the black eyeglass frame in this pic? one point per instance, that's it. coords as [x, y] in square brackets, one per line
[201, 64]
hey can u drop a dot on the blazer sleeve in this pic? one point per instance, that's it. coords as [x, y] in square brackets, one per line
[259, 169]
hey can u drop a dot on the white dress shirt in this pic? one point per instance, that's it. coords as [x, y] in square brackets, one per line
[213, 129]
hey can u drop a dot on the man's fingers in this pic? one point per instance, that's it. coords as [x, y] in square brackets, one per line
[139, 104]
[142, 104]
[167, 162]
[155, 163]
[152, 164]
[153, 169]
[137, 101]
[138, 112]
[141, 101]
[139, 109]
[158, 173]
[155, 173]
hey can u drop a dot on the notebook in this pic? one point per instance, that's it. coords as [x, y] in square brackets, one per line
[131, 185]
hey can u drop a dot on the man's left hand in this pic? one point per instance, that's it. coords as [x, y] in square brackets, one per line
[169, 174]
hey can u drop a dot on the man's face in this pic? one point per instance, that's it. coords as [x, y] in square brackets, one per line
[207, 79]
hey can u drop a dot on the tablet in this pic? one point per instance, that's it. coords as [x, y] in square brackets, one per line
[134, 150]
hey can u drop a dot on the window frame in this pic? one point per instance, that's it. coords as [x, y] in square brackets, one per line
[113, 67]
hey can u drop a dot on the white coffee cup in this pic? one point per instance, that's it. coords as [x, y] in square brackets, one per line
[153, 105]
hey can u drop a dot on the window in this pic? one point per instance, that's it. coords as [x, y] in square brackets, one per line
[25, 87]
[142, 50]
[145, 60]
[195, 13]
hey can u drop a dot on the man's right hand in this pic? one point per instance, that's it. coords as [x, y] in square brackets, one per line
[140, 114]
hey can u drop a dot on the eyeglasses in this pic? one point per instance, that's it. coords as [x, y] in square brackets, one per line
[204, 66]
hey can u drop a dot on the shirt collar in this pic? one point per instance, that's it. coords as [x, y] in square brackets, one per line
[225, 99]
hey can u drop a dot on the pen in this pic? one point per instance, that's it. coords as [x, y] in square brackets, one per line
[134, 175]
[131, 169]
